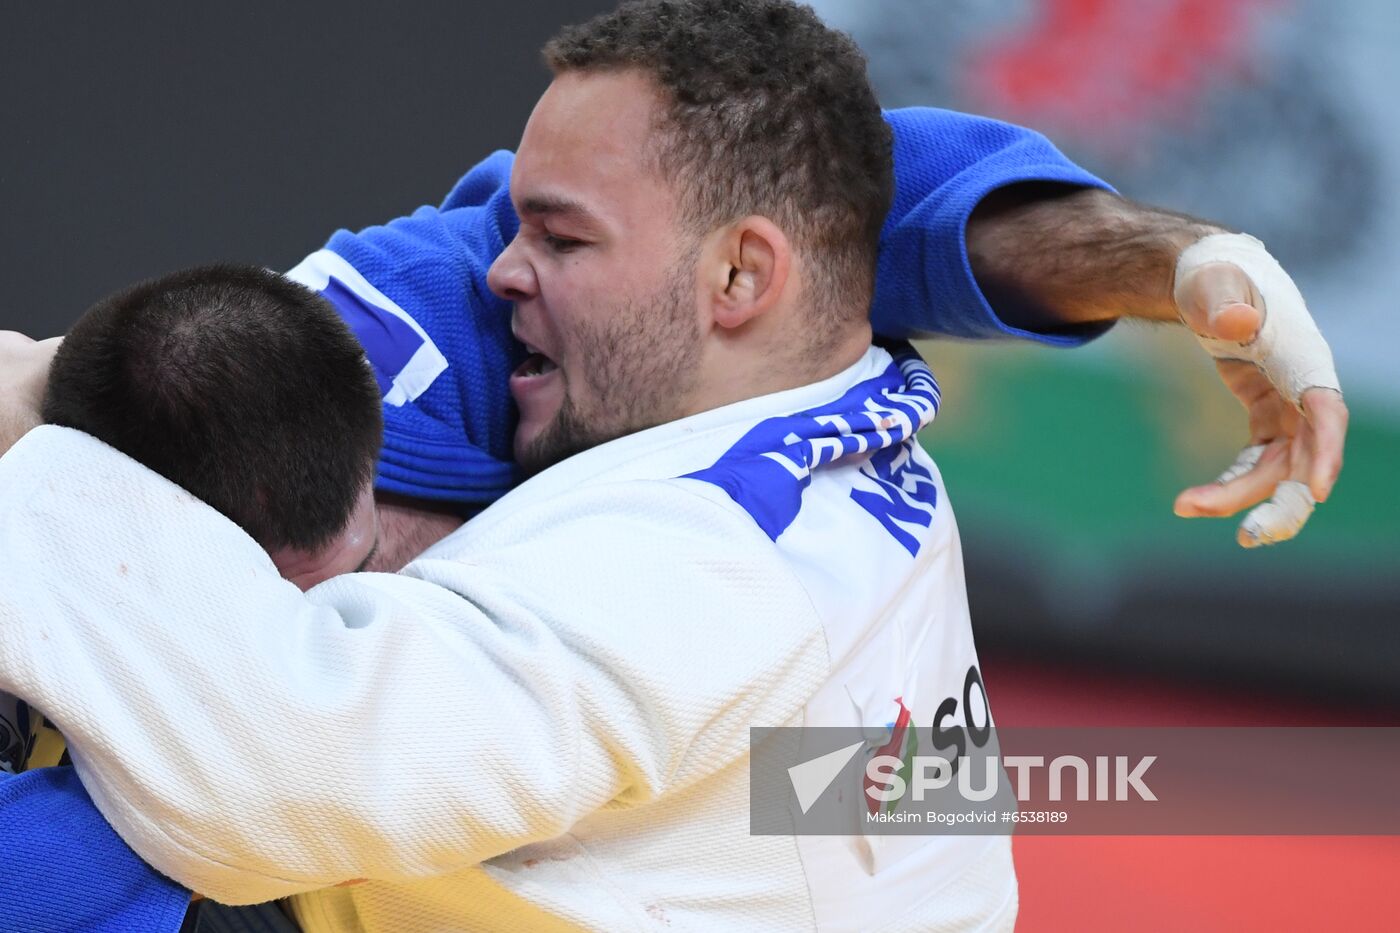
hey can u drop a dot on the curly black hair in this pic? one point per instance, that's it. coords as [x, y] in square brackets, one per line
[770, 112]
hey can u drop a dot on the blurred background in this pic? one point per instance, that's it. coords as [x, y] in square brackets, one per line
[1272, 116]
[1092, 604]
[139, 138]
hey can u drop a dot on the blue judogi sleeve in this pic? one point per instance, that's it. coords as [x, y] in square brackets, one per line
[944, 164]
[62, 868]
[415, 293]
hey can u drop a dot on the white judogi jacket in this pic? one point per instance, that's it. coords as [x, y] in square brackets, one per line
[543, 723]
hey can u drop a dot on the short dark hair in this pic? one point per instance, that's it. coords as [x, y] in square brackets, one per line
[236, 383]
[770, 112]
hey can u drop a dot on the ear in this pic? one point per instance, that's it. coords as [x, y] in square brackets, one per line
[347, 552]
[751, 263]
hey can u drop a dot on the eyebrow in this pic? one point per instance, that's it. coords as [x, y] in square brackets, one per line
[556, 206]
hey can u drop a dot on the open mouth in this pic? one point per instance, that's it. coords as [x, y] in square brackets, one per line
[536, 364]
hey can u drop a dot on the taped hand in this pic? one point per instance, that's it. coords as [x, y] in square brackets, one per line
[1250, 317]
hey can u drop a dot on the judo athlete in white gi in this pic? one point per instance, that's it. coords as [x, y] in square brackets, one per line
[543, 722]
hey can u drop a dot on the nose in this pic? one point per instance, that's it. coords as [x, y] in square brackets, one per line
[511, 276]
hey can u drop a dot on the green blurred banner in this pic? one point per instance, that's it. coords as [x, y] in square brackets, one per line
[1062, 466]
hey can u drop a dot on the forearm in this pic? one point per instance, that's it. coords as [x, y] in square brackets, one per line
[16, 420]
[191, 664]
[1047, 256]
[24, 367]
[252, 741]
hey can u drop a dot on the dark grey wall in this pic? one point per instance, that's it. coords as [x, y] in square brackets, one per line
[136, 138]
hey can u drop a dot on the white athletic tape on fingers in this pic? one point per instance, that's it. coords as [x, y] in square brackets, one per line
[1246, 461]
[1289, 348]
[1281, 517]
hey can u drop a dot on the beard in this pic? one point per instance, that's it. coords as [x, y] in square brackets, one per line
[640, 366]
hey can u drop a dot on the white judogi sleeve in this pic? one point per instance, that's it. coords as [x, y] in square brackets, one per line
[599, 648]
